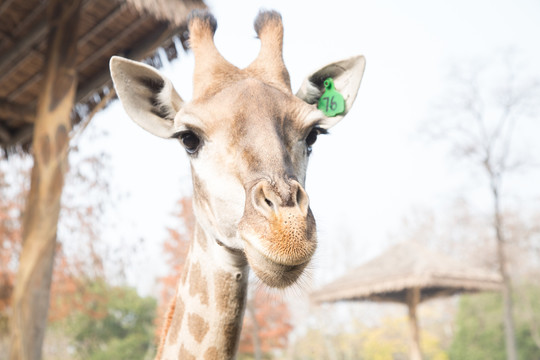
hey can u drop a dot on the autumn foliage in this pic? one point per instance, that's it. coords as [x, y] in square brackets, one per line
[79, 223]
[266, 323]
[13, 188]
[71, 292]
[11, 204]
[175, 248]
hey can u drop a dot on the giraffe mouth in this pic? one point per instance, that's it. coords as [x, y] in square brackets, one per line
[271, 272]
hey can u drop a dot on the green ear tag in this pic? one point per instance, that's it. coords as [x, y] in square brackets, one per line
[331, 102]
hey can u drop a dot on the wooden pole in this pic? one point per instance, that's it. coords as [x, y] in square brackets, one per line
[30, 300]
[413, 299]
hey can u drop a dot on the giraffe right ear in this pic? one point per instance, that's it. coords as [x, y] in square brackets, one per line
[346, 74]
[148, 97]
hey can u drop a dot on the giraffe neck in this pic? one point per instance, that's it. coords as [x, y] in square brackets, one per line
[206, 317]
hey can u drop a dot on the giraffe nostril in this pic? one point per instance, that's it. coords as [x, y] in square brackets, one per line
[269, 203]
[264, 200]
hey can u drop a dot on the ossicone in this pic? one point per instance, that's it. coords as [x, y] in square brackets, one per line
[269, 63]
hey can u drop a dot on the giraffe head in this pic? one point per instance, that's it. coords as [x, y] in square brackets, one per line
[248, 138]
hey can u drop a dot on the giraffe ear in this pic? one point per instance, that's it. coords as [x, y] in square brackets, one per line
[347, 75]
[148, 97]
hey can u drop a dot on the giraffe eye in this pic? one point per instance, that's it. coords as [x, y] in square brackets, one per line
[312, 137]
[190, 141]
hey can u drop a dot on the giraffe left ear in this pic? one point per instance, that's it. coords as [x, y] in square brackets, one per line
[148, 97]
[347, 75]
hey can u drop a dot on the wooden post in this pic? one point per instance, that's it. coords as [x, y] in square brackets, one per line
[413, 299]
[30, 300]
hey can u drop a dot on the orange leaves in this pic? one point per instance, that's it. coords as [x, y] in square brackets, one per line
[11, 210]
[71, 293]
[266, 323]
[175, 250]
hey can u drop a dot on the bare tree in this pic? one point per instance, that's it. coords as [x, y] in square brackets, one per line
[481, 119]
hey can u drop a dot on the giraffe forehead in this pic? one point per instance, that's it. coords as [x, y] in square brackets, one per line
[248, 107]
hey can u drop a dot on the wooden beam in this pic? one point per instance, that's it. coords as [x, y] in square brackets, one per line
[30, 300]
[5, 136]
[118, 37]
[22, 136]
[28, 20]
[91, 87]
[22, 88]
[150, 43]
[23, 45]
[17, 111]
[146, 46]
[39, 75]
[5, 5]
[100, 25]
[5, 37]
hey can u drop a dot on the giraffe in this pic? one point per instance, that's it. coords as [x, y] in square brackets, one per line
[248, 138]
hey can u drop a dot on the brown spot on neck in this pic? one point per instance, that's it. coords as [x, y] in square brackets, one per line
[230, 298]
[183, 354]
[211, 354]
[222, 290]
[198, 327]
[198, 284]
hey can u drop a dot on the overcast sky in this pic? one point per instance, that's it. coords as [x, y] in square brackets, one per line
[374, 169]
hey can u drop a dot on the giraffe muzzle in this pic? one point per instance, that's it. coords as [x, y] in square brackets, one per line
[279, 231]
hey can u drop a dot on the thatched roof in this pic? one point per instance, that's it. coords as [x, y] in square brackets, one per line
[404, 266]
[132, 28]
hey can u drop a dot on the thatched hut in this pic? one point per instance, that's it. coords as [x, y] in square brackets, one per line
[408, 273]
[132, 28]
[54, 73]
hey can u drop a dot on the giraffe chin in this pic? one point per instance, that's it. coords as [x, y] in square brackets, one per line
[272, 273]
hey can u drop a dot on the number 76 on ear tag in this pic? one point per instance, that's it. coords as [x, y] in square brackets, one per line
[331, 102]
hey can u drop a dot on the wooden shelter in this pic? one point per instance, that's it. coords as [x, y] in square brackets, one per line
[408, 273]
[132, 28]
[54, 72]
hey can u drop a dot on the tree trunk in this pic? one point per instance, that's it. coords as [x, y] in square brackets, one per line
[509, 328]
[413, 299]
[30, 300]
